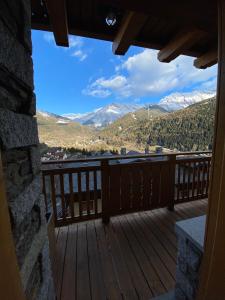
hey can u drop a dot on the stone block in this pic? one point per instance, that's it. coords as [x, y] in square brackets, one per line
[17, 130]
[21, 205]
[26, 32]
[15, 95]
[194, 258]
[47, 288]
[35, 280]
[39, 240]
[14, 57]
[24, 233]
[35, 159]
[25, 168]
[179, 295]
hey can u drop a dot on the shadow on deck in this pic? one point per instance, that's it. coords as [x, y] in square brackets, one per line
[134, 257]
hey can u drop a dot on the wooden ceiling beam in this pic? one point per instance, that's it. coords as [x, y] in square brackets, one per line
[129, 29]
[206, 60]
[180, 43]
[58, 19]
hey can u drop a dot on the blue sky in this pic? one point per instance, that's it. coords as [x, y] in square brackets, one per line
[87, 75]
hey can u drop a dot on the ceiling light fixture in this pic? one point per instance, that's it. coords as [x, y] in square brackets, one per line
[111, 19]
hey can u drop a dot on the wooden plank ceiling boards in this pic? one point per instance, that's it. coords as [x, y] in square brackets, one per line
[174, 27]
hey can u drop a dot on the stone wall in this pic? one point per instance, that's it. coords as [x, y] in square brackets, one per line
[19, 146]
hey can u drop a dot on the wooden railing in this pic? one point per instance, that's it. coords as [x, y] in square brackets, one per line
[102, 187]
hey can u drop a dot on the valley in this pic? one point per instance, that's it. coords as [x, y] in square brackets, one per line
[186, 129]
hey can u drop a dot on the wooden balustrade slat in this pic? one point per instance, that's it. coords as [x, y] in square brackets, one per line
[136, 188]
[193, 180]
[71, 195]
[198, 180]
[44, 193]
[184, 182]
[178, 183]
[53, 198]
[125, 188]
[62, 196]
[87, 180]
[146, 187]
[167, 177]
[79, 188]
[95, 192]
[188, 181]
[155, 187]
[115, 190]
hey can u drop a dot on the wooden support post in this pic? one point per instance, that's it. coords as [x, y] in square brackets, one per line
[171, 181]
[105, 191]
[211, 284]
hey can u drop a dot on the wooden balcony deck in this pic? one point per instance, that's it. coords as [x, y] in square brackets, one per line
[134, 257]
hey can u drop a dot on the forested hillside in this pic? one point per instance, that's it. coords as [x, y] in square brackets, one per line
[185, 130]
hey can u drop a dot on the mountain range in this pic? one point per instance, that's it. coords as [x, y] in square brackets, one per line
[103, 116]
[188, 129]
[55, 130]
[108, 114]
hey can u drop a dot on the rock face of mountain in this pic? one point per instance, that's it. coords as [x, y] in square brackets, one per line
[178, 101]
[56, 131]
[103, 116]
[188, 129]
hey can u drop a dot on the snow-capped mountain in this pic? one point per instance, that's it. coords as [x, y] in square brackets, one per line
[59, 119]
[177, 101]
[103, 115]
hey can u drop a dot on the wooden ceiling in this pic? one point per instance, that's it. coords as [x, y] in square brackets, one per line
[174, 27]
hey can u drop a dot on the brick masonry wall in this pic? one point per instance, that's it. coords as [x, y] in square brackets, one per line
[19, 147]
[188, 263]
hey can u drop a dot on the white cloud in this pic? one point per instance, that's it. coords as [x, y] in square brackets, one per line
[143, 75]
[75, 42]
[76, 45]
[49, 37]
[79, 54]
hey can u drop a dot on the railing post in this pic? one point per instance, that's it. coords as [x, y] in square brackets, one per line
[172, 180]
[105, 191]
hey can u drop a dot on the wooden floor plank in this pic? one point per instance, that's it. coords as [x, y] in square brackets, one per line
[61, 246]
[160, 235]
[69, 274]
[98, 291]
[153, 256]
[161, 249]
[147, 266]
[162, 223]
[110, 279]
[138, 277]
[134, 257]
[83, 278]
[123, 274]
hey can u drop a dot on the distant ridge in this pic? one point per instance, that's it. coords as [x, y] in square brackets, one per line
[103, 116]
[187, 129]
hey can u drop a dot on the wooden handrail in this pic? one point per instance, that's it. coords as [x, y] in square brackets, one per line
[120, 157]
[106, 189]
